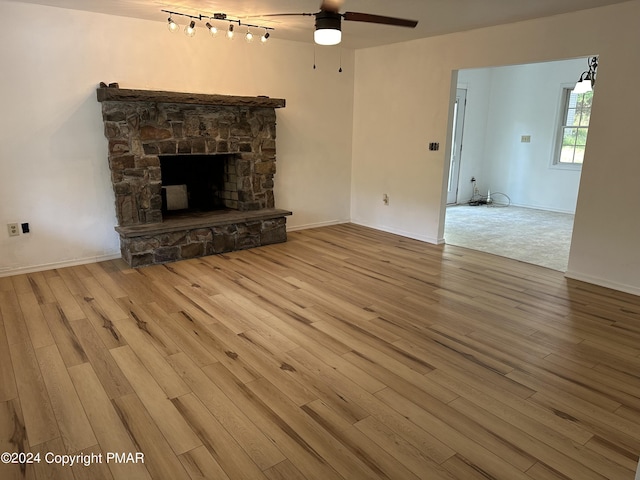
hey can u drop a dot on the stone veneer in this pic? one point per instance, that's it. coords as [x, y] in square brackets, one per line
[141, 125]
[181, 239]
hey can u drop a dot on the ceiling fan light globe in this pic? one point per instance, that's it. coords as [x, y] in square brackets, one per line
[328, 28]
[327, 36]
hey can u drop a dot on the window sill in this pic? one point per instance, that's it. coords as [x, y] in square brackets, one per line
[576, 167]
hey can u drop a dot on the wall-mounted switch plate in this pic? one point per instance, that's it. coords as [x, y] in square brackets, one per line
[434, 146]
[525, 139]
[14, 229]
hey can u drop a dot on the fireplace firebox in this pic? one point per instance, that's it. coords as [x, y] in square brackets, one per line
[197, 183]
[192, 174]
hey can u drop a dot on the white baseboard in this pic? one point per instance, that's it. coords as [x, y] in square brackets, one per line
[395, 231]
[603, 283]
[402, 233]
[50, 266]
[315, 225]
[546, 209]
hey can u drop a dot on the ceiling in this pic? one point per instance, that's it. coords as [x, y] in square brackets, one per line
[435, 17]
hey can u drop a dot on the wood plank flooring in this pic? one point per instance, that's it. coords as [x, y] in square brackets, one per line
[345, 353]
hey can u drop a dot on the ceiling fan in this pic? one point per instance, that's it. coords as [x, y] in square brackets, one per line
[329, 20]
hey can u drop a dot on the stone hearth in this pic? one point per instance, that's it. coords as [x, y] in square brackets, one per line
[143, 126]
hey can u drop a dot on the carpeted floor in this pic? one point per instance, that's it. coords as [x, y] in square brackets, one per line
[529, 235]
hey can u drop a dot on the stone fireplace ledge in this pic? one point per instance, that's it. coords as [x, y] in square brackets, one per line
[201, 234]
[201, 220]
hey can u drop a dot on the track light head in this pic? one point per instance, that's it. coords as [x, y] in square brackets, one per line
[172, 26]
[265, 37]
[230, 32]
[190, 30]
[212, 30]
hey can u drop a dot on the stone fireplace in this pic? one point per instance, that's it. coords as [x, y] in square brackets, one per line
[192, 173]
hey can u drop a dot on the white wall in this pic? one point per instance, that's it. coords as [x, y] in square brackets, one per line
[407, 89]
[504, 103]
[53, 154]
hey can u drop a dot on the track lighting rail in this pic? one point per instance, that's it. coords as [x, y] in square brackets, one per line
[217, 16]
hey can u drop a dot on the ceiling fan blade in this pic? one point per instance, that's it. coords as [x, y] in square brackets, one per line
[331, 5]
[367, 17]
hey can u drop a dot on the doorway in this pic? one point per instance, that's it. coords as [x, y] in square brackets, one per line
[510, 123]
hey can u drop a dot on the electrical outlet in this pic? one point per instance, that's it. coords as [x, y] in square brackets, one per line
[385, 199]
[14, 229]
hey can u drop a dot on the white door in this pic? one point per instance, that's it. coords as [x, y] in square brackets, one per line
[456, 147]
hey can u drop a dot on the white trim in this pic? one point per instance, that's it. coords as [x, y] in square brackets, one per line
[603, 283]
[540, 207]
[316, 225]
[66, 263]
[402, 233]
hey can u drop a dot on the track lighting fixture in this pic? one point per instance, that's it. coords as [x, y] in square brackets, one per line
[172, 26]
[190, 30]
[587, 80]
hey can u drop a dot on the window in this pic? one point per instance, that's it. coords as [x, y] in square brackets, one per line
[576, 113]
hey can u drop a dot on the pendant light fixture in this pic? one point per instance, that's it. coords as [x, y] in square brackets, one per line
[587, 80]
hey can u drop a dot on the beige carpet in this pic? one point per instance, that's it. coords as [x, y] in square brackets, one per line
[529, 235]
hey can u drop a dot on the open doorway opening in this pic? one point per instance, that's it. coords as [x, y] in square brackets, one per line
[513, 148]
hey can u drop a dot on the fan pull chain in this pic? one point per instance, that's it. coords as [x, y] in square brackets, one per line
[340, 69]
[314, 56]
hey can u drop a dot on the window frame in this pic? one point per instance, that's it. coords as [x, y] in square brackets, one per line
[565, 92]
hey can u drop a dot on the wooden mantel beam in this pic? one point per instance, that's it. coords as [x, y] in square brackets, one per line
[111, 94]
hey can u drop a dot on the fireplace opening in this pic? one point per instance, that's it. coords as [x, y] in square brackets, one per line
[197, 183]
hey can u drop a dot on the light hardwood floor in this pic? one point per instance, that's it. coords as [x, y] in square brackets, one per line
[345, 353]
